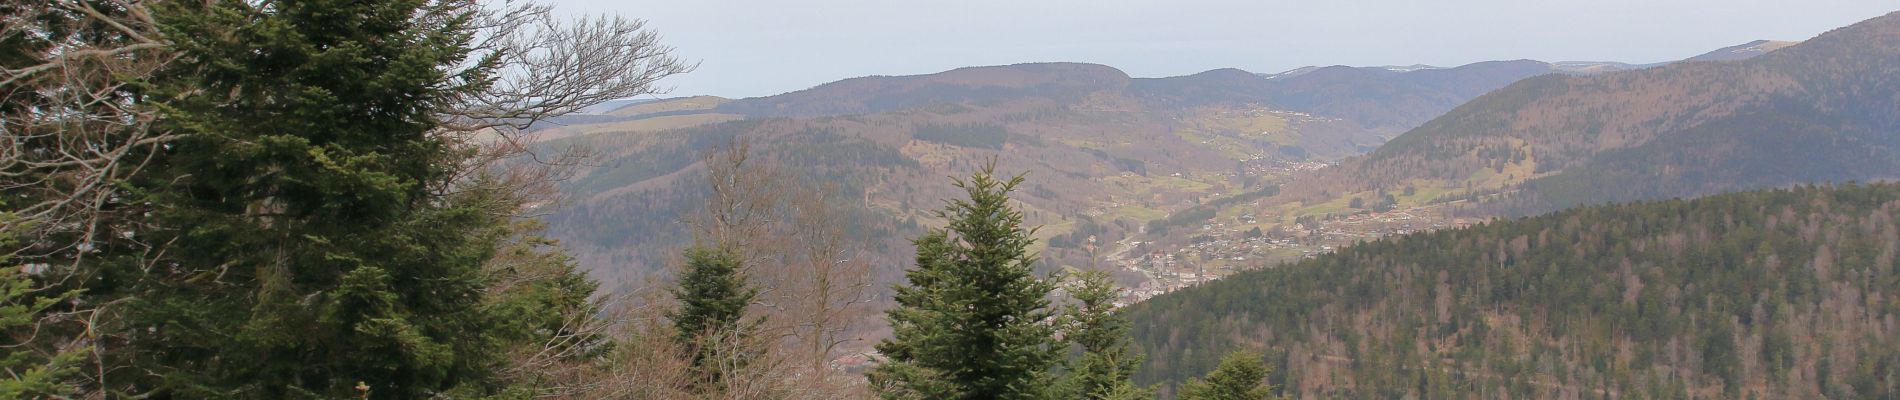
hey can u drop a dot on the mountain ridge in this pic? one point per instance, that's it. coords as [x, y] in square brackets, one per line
[1743, 51]
[1571, 137]
[873, 94]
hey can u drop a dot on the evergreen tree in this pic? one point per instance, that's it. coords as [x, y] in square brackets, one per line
[312, 242]
[713, 296]
[31, 374]
[1240, 376]
[1106, 366]
[974, 321]
[32, 368]
[64, 114]
[545, 308]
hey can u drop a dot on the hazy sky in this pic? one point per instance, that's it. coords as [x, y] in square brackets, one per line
[755, 48]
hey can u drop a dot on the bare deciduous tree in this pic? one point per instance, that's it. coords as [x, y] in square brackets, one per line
[829, 277]
[540, 66]
[70, 124]
[744, 194]
[794, 236]
[645, 363]
[547, 67]
[71, 128]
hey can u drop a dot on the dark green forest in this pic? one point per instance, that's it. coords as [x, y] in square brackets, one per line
[988, 136]
[1786, 293]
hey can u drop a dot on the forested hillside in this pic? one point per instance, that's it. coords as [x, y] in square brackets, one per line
[1393, 99]
[1791, 293]
[1819, 111]
[1108, 154]
[1106, 148]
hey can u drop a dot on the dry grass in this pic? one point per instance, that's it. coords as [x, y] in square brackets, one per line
[682, 104]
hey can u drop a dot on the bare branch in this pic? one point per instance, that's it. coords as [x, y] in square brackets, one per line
[70, 128]
[545, 67]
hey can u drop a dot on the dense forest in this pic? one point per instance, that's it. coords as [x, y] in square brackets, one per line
[1787, 293]
[989, 136]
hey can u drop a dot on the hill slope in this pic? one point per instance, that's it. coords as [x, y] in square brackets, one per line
[1107, 154]
[1403, 97]
[1822, 110]
[1386, 98]
[1773, 294]
[876, 94]
[1742, 51]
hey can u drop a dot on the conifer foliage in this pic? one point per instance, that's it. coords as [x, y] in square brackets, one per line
[311, 243]
[1240, 376]
[29, 373]
[713, 296]
[1106, 367]
[1729, 296]
[974, 321]
[295, 199]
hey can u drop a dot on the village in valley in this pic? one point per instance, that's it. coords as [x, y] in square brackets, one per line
[1247, 236]
[1218, 249]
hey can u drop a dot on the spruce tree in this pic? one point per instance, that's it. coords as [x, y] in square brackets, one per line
[709, 325]
[1106, 366]
[311, 243]
[974, 321]
[31, 368]
[1240, 376]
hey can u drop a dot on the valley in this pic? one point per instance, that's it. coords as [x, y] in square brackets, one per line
[444, 199]
[1167, 182]
[1174, 184]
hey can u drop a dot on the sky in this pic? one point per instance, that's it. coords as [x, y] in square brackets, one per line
[761, 47]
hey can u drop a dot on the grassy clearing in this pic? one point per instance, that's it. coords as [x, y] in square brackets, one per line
[1512, 173]
[1048, 231]
[928, 153]
[1136, 213]
[1340, 205]
[1229, 147]
[1182, 184]
[1424, 192]
[1264, 126]
[1236, 133]
[684, 104]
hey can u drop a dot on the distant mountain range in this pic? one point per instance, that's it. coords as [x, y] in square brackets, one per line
[1769, 293]
[1066, 82]
[1111, 156]
[1387, 99]
[1742, 51]
[1397, 99]
[1109, 153]
[1089, 134]
[1823, 110]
